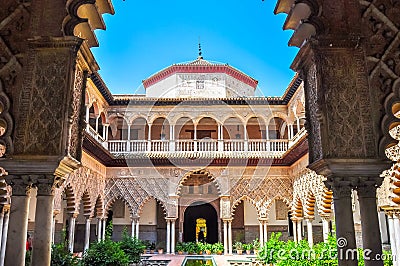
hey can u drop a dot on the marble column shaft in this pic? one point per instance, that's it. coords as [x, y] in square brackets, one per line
[173, 236]
[310, 232]
[392, 236]
[87, 233]
[345, 233]
[371, 235]
[18, 226]
[396, 224]
[71, 236]
[168, 237]
[225, 237]
[41, 251]
[4, 238]
[230, 237]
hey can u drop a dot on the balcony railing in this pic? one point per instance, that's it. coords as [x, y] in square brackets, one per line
[272, 148]
[268, 147]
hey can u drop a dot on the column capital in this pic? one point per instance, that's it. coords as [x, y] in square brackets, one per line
[20, 186]
[45, 187]
[229, 220]
[170, 219]
[396, 213]
[367, 187]
[341, 188]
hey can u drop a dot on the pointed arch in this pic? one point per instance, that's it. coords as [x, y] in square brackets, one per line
[111, 202]
[242, 199]
[146, 200]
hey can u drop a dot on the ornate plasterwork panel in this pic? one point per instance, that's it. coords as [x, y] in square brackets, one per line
[44, 126]
[381, 27]
[81, 181]
[14, 18]
[313, 113]
[127, 190]
[262, 193]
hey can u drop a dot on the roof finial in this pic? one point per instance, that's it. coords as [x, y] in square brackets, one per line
[200, 53]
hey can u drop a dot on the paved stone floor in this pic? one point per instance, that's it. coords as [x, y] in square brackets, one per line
[221, 260]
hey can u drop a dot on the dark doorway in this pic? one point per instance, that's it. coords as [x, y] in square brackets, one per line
[196, 211]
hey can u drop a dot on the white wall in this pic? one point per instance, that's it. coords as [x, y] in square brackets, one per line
[216, 85]
[250, 214]
[149, 213]
[272, 217]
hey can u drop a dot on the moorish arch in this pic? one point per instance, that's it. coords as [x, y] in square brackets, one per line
[206, 173]
[240, 200]
[110, 203]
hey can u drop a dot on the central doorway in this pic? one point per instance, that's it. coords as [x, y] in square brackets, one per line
[207, 229]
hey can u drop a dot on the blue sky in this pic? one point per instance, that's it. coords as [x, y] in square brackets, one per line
[145, 36]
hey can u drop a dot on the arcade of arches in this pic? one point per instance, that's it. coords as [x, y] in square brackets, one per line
[199, 152]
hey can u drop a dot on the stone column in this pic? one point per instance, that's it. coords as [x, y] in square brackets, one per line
[87, 233]
[392, 235]
[53, 225]
[291, 131]
[99, 231]
[18, 225]
[1, 224]
[97, 124]
[371, 235]
[173, 236]
[105, 131]
[4, 236]
[220, 138]
[133, 228]
[87, 117]
[225, 237]
[261, 233]
[172, 137]
[168, 236]
[294, 228]
[230, 236]
[41, 252]
[325, 227]
[104, 228]
[149, 138]
[71, 237]
[299, 230]
[137, 228]
[265, 231]
[310, 231]
[396, 224]
[345, 233]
